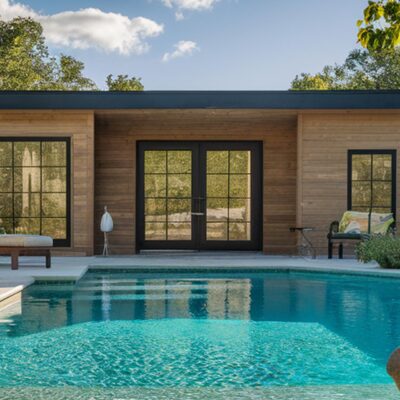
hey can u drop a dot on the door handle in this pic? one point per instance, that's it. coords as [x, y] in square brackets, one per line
[199, 201]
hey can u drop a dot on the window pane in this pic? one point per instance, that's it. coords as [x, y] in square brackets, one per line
[217, 209]
[54, 227]
[155, 231]
[155, 161]
[217, 185]
[382, 167]
[34, 167]
[217, 162]
[54, 179]
[179, 231]
[179, 161]
[239, 231]
[27, 204]
[361, 167]
[240, 162]
[54, 154]
[239, 185]
[382, 210]
[382, 194]
[6, 225]
[5, 180]
[27, 154]
[239, 210]
[360, 209]
[179, 210]
[27, 226]
[179, 185]
[155, 185]
[155, 209]
[6, 206]
[6, 154]
[26, 180]
[54, 205]
[217, 231]
[361, 194]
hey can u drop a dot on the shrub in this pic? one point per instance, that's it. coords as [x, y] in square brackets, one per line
[385, 250]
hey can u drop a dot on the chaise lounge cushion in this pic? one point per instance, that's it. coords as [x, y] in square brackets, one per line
[25, 241]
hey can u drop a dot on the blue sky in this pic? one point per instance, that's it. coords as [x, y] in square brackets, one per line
[223, 44]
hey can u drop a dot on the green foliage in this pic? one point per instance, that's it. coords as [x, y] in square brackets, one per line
[361, 70]
[68, 75]
[385, 250]
[124, 83]
[25, 63]
[380, 27]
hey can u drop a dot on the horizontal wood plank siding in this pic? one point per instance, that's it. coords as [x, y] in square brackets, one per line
[325, 141]
[79, 126]
[115, 152]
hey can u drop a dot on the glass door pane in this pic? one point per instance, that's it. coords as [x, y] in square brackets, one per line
[167, 195]
[228, 195]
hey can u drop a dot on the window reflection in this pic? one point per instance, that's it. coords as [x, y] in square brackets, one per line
[33, 187]
[168, 194]
[372, 182]
[228, 195]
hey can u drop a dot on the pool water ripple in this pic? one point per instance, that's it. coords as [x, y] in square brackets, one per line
[253, 334]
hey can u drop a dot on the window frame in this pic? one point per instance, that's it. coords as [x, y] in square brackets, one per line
[371, 152]
[56, 242]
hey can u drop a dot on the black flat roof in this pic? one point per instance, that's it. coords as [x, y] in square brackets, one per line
[291, 100]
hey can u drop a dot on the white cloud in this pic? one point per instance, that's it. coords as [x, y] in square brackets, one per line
[182, 48]
[189, 5]
[89, 27]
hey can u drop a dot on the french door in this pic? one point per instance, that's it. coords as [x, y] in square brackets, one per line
[199, 195]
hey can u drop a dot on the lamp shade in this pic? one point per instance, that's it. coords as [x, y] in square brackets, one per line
[106, 224]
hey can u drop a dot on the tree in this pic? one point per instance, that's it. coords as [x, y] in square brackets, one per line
[380, 27]
[124, 83]
[68, 75]
[25, 63]
[361, 70]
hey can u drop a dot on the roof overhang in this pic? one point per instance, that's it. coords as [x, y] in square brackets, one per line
[289, 100]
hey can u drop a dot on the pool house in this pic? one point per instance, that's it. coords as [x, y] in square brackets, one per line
[202, 170]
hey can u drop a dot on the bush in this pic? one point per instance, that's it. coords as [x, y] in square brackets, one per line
[385, 250]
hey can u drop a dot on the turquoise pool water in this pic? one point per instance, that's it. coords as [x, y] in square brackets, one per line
[266, 331]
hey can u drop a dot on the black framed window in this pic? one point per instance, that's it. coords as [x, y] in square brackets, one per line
[35, 187]
[168, 194]
[372, 181]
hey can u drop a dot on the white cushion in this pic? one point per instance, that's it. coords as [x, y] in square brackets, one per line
[25, 241]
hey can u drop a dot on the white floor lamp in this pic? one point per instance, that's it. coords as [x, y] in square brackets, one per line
[106, 226]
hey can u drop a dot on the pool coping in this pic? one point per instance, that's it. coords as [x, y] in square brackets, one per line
[60, 273]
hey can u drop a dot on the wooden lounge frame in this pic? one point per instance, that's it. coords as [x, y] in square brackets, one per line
[16, 251]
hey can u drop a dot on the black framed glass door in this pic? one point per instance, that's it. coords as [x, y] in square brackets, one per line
[199, 195]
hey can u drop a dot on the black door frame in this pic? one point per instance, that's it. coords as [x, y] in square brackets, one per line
[198, 241]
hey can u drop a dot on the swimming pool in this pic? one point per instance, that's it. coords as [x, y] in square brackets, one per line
[122, 334]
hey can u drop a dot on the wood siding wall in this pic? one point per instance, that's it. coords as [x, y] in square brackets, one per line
[115, 164]
[324, 140]
[79, 126]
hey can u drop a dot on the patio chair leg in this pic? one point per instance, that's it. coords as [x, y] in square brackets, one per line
[14, 259]
[330, 249]
[48, 260]
[341, 250]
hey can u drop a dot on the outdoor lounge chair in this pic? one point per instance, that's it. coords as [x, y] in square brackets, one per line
[26, 245]
[358, 226]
